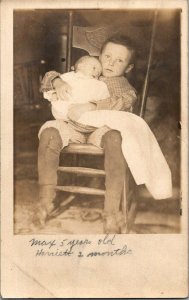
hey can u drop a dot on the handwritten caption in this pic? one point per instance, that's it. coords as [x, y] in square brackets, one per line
[105, 246]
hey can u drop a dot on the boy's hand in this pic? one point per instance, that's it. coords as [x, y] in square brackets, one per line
[51, 96]
[76, 110]
[62, 88]
[54, 97]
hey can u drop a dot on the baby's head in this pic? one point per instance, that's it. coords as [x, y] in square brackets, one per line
[117, 56]
[88, 66]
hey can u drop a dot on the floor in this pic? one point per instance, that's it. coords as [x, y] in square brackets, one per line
[153, 216]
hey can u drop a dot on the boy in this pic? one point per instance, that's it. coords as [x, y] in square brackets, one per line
[116, 57]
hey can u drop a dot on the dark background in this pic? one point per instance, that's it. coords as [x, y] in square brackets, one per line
[40, 45]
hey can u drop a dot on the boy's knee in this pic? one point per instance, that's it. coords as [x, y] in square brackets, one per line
[112, 137]
[50, 137]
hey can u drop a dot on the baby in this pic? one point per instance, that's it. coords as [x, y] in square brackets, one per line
[85, 87]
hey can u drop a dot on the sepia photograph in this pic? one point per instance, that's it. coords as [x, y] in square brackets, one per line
[97, 97]
[94, 149]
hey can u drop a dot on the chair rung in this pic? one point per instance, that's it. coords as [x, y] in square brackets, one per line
[81, 190]
[83, 149]
[82, 171]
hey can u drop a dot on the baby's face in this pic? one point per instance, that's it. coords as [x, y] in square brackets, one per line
[115, 60]
[91, 68]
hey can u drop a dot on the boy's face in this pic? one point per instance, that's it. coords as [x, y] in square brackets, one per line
[115, 60]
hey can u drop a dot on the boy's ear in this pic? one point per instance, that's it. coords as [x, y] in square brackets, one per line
[72, 68]
[129, 68]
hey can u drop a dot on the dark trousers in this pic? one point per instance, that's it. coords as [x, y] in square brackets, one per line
[50, 146]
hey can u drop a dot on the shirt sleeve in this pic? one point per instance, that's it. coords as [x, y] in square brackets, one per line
[124, 102]
[46, 83]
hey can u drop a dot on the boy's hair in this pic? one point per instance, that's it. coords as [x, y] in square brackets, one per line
[124, 41]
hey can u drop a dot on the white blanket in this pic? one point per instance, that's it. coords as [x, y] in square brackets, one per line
[140, 149]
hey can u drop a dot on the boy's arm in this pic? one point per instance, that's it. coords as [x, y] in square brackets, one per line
[76, 110]
[53, 81]
[124, 102]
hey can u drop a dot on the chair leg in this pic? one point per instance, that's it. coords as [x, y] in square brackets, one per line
[75, 161]
[63, 206]
[125, 205]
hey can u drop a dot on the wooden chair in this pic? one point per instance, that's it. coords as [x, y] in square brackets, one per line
[129, 196]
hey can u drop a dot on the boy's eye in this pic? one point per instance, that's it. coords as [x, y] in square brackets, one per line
[107, 56]
[120, 60]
